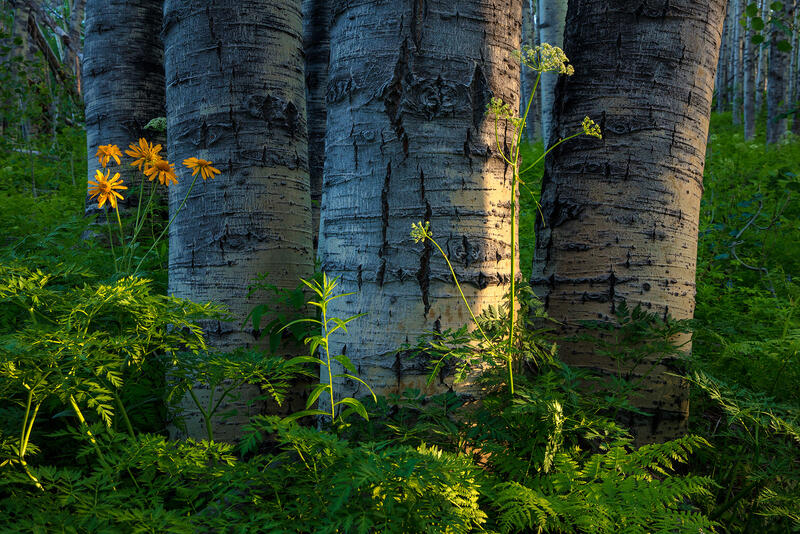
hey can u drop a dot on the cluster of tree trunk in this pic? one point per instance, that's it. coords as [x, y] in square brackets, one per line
[758, 66]
[381, 123]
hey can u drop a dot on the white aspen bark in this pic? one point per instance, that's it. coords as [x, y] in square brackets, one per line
[776, 84]
[122, 91]
[528, 76]
[738, 64]
[408, 140]
[552, 15]
[316, 46]
[721, 79]
[236, 97]
[749, 82]
[620, 215]
[794, 80]
[763, 62]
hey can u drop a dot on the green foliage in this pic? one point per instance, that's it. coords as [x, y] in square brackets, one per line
[224, 374]
[745, 350]
[319, 344]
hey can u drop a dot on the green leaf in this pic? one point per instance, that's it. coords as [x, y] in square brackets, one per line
[304, 359]
[299, 321]
[346, 363]
[784, 46]
[757, 24]
[345, 375]
[776, 6]
[757, 39]
[303, 413]
[318, 389]
[357, 406]
[751, 10]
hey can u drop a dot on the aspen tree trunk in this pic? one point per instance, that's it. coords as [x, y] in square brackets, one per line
[738, 64]
[620, 215]
[776, 83]
[236, 97]
[76, 16]
[763, 61]
[123, 81]
[721, 83]
[796, 77]
[408, 140]
[792, 72]
[528, 76]
[316, 45]
[551, 15]
[749, 82]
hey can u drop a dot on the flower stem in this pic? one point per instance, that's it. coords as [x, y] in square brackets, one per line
[111, 240]
[164, 231]
[458, 286]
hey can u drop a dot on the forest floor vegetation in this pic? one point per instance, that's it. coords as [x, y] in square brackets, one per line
[85, 404]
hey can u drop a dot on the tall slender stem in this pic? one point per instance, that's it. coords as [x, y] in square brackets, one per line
[92, 439]
[328, 358]
[125, 417]
[164, 231]
[110, 238]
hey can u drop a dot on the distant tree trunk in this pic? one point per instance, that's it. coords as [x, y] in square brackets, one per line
[236, 97]
[123, 81]
[795, 80]
[528, 76]
[776, 83]
[621, 215]
[551, 16]
[749, 81]
[737, 9]
[77, 13]
[316, 45]
[763, 61]
[408, 140]
[721, 85]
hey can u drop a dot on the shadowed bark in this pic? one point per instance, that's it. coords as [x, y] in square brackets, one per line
[776, 76]
[749, 81]
[236, 97]
[620, 215]
[316, 45]
[408, 140]
[123, 81]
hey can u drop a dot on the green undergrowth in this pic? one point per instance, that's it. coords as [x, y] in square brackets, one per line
[91, 365]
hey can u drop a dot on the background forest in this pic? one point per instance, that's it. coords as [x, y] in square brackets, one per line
[324, 278]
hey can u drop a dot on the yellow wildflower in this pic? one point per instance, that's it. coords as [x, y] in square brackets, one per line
[591, 128]
[105, 188]
[202, 166]
[145, 154]
[162, 169]
[106, 152]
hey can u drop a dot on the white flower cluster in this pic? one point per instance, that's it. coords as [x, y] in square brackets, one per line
[546, 58]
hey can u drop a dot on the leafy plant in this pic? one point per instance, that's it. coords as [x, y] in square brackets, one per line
[543, 58]
[325, 293]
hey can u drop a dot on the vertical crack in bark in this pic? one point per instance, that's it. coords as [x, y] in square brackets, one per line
[393, 96]
[612, 283]
[479, 95]
[424, 272]
[384, 223]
